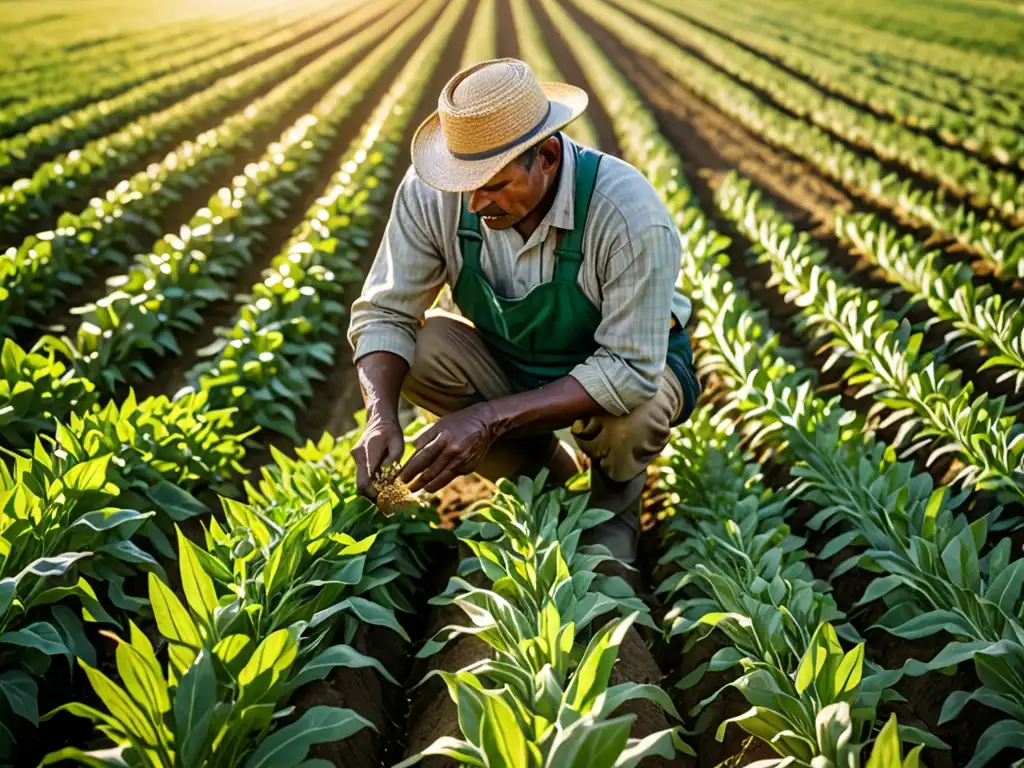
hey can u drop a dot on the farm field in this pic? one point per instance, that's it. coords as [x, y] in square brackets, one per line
[832, 573]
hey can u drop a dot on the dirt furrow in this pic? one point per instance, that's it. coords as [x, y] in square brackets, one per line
[508, 44]
[607, 140]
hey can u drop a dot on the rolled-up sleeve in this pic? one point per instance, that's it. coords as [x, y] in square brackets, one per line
[407, 274]
[636, 308]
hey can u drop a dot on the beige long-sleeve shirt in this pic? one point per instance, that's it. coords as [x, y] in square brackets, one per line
[631, 255]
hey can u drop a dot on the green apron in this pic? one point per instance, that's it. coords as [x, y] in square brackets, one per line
[542, 336]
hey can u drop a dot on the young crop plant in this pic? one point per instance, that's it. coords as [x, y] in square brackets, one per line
[36, 389]
[545, 697]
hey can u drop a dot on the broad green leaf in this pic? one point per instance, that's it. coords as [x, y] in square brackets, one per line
[21, 693]
[120, 705]
[89, 475]
[591, 677]
[194, 704]
[195, 582]
[501, 736]
[175, 624]
[288, 747]
[338, 656]
[39, 635]
[271, 659]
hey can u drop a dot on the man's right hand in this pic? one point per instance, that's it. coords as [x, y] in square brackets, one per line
[382, 444]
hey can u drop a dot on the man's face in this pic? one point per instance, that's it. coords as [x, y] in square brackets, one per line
[516, 189]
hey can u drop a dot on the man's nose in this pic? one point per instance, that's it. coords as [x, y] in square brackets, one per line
[478, 200]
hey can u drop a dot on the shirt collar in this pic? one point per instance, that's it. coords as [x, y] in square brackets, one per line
[562, 211]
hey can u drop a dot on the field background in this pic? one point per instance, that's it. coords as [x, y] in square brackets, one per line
[190, 194]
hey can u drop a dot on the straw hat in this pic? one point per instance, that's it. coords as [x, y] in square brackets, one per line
[487, 115]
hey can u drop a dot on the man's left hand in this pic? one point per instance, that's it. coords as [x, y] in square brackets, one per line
[452, 446]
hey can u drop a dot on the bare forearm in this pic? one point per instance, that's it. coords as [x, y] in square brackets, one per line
[380, 378]
[553, 406]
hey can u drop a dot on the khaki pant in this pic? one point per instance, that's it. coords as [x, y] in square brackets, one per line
[452, 366]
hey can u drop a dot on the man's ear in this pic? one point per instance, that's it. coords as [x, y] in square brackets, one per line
[550, 154]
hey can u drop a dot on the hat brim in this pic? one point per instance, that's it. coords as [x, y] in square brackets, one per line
[436, 165]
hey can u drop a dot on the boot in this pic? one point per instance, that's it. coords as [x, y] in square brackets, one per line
[621, 534]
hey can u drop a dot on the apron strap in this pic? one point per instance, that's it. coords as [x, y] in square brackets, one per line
[569, 252]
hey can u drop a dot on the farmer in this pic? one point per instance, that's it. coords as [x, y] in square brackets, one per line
[562, 262]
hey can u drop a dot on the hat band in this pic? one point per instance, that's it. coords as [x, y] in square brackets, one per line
[489, 153]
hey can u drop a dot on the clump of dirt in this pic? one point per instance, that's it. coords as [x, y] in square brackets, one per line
[459, 495]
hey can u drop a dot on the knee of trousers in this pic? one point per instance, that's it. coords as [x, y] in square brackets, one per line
[624, 446]
[432, 374]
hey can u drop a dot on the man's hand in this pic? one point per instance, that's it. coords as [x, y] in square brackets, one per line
[382, 444]
[452, 446]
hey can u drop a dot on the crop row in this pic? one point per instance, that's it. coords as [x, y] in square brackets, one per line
[883, 355]
[977, 133]
[34, 276]
[162, 295]
[966, 175]
[736, 568]
[903, 53]
[57, 183]
[989, 238]
[541, 691]
[929, 580]
[832, 41]
[22, 153]
[41, 105]
[265, 362]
